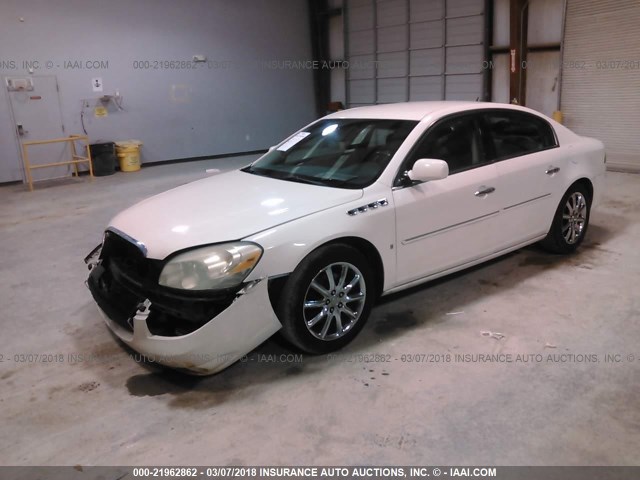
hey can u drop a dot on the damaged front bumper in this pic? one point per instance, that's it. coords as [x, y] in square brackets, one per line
[234, 330]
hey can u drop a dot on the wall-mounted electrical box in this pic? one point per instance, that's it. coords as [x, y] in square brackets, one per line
[104, 101]
[19, 84]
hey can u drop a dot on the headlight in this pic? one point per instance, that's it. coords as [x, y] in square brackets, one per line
[214, 267]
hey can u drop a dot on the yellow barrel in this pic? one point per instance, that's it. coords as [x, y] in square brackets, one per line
[128, 152]
[557, 116]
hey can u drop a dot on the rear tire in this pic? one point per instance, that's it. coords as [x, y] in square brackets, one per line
[570, 221]
[327, 299]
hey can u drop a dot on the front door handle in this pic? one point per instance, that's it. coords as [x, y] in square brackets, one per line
[551, 170]
[484, 191]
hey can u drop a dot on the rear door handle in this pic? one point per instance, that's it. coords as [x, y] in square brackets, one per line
[484, 191]
[551, 170]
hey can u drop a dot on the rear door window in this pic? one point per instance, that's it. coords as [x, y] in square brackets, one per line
[512, 133]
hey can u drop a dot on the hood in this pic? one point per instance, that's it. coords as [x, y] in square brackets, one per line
[229, 206]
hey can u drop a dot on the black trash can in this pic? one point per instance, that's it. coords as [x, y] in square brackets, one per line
[103, 156]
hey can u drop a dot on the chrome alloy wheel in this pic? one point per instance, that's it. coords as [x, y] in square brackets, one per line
[334, 301]
[574, 217]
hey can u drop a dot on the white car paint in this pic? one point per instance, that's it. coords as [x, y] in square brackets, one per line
[207, 350]
[413, 232]
[224, 207]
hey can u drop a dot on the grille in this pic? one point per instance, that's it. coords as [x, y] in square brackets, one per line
[129, 261]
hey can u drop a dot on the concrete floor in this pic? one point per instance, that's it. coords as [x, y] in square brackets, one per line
[113, 410]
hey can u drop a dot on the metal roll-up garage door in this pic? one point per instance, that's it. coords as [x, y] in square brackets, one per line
[601, 76]
[409, 50]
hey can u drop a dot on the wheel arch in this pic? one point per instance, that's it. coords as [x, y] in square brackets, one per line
[584, 181]
[277, 283]
[369, 251]
[553, 242]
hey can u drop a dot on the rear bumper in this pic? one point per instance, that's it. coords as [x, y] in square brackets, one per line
[244, 325]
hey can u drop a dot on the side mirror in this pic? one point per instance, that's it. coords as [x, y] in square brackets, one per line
[427, 169]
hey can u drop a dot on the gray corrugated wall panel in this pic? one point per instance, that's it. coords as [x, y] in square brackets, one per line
[425, 88]
[464, 59]
[360, 18]
[603, 102]
[391, 12]
[464, 87]
[393, 64]
[362, 67]
[425, 10]
[426, 62]
[408, 44]
[427, 34]
[582, 8]
[362, 91]
[465, 30]
[456, 8]
[393, 39]
[361, 42]
[392, 90]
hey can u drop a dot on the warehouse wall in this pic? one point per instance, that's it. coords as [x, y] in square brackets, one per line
[542, 67]
[336, 52]
[215, 109]
[601, 76]
[409, 50]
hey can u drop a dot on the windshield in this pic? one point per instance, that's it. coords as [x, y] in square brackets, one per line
[345, 153]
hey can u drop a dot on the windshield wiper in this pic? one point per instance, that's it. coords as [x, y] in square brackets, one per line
[279, 174]
[293, 177]
[304, 179]
[334, 182]
[265, 172]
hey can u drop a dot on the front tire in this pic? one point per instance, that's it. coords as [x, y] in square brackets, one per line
[570, 222]
[327, 299]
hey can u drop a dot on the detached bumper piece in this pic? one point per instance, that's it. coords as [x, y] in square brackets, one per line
[202, 332]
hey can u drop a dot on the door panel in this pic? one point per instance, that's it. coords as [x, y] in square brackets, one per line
[528, 195]
[528, 166]
[37, 113]
[442, 224]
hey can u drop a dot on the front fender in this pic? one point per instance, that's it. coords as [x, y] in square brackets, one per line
[286, 245]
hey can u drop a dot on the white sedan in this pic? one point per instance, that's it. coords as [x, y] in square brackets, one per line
[358, 204]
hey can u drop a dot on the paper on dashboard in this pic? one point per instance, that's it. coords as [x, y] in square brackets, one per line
[293, 140]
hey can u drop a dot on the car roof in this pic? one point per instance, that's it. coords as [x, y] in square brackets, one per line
[419, 110]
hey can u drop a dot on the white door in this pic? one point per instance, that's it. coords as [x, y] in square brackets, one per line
[524, 149]
[37, 116]
[445, 223]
